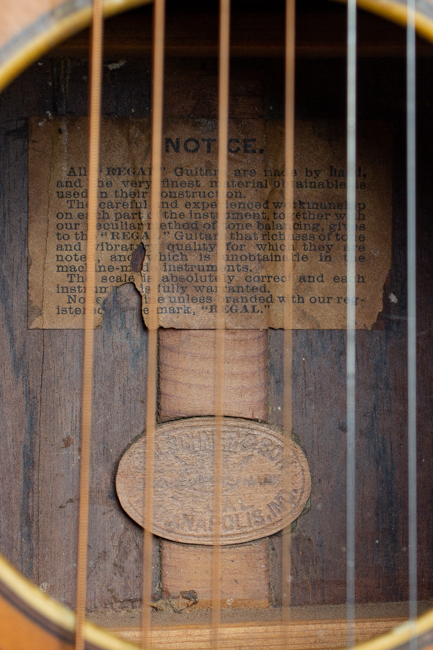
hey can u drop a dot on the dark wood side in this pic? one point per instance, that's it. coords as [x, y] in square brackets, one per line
[256, 30]
[41, 377]
[21, 354]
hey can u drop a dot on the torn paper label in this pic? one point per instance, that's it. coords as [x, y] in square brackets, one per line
[258, 240]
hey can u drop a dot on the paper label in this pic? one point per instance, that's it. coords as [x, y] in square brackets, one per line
[265, 481]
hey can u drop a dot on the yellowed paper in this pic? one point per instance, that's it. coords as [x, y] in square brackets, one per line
[257, 244]
[58, 154]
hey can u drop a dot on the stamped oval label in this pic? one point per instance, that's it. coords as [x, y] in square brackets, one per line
[265, 481]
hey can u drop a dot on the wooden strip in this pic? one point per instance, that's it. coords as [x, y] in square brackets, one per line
[187, 365]
[87, 394]
[187, 368]
[315, 635]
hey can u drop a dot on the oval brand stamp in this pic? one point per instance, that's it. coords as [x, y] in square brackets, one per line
[265, 481]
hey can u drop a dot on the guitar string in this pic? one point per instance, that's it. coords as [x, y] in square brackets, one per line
[411, 310]
[223, 112]
[88, 353]
[152, 361]
[289, 142]
[351, 323]
[151, 395]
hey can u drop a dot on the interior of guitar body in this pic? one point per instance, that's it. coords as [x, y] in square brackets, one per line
[42, 368]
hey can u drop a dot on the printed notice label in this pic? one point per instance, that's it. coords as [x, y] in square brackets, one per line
[258, 240]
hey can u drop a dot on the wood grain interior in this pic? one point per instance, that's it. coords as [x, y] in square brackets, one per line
[41, 370]
[319, 635]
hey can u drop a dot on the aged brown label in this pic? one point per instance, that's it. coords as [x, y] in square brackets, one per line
[265, 481]
[58, 203]
[258, 242]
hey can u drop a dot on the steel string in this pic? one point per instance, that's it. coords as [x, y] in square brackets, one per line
[411, 310]
[351, 322]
